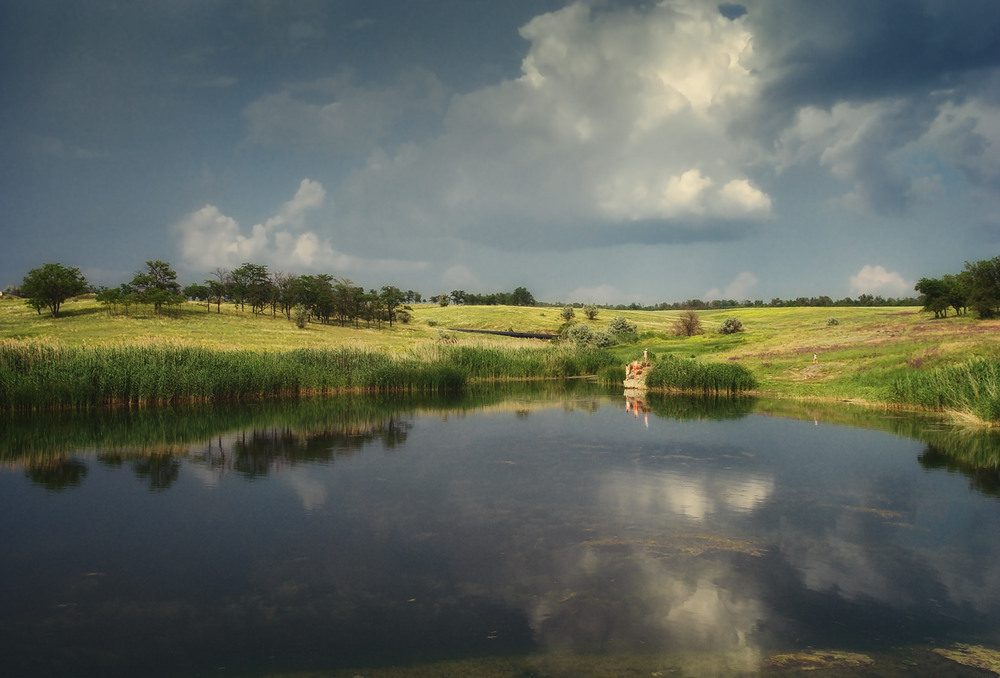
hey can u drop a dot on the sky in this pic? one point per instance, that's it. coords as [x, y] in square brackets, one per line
[598, 151]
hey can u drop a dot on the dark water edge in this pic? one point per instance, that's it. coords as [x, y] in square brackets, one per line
[398, 626]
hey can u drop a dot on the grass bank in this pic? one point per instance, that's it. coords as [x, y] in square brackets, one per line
[877, 355]
[971, 388]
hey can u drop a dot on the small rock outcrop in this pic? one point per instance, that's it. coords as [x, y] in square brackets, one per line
[635, 374]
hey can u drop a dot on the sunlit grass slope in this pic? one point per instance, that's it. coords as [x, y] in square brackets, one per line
[862, 353]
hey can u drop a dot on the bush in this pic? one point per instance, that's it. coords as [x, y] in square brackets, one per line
[301, 315]
[731, 326]
[688, 324]
[602, 339]
[578, 333]
[590, 310]
[567, 313]
[623, 330]
[832, 321]
[621, 325]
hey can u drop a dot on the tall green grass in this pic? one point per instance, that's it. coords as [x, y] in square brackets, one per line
[40, 376]
[44, 376]
[502, 362]
[971, 387]
[671, 373]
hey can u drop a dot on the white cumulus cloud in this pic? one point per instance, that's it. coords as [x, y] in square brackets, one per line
[209, 239]
[878, 281]
[619, 116]
[739, 289]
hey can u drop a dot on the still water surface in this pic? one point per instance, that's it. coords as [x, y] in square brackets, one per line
[567, 533]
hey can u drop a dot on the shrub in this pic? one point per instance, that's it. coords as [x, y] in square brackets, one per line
[301, 315]
[567, 313]
[623, 330]
[590, 310]
[688, 324]
[621, 325]
[731, 326]
[404, 316]
[832, 321]
[578, 333]
[602, 339]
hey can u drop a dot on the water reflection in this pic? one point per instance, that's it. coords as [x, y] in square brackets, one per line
[58, 474]
[340, 534]
[966, 456]
[688, 494]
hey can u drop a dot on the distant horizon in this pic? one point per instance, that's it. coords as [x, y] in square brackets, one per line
[822, 300]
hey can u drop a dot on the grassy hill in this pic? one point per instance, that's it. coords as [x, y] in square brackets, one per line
[860, 351]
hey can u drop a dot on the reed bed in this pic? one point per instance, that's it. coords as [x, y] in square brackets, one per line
[968, 388]
[671, 373]
[503, 362]
[50, 376]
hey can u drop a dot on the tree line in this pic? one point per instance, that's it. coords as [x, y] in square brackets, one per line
[519, 297]
[321, 297]
[777, 302]
[976, 287]
[327, 298]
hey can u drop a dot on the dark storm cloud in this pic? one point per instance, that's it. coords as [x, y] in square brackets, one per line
[828, 51]
[751, 129]
[528, 236]
[732, 11]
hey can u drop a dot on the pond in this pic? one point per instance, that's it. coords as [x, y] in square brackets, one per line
[554, 530]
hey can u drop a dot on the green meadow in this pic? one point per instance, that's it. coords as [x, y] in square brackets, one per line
[899, 357]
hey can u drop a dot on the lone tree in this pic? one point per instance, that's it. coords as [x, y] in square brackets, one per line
[687, 324]
[50, 285]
